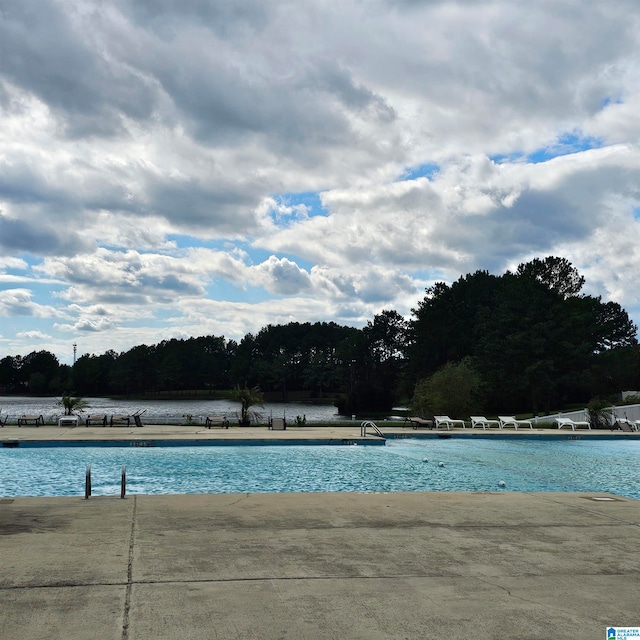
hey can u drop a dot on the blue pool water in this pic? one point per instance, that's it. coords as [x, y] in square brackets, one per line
[469, 465]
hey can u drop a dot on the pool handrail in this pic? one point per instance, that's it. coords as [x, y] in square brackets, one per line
[373, 426]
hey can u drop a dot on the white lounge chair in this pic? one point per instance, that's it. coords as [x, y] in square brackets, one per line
[481, 421]
[568, 422]
[510, 421]
[446, 421]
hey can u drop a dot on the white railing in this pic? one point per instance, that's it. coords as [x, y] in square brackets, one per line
[629, 411]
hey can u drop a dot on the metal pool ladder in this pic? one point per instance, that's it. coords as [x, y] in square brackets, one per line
[369, 424]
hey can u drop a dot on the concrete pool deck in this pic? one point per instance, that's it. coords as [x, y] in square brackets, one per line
[300, 566]
[307, 433]
[319, 566]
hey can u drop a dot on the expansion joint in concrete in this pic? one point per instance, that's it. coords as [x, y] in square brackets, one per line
[127, 597]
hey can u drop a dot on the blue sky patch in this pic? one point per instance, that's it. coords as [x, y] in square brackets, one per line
[506, 158]
[427, 170]
[310, 200]
[565, 144]
[189, 242]
[225, 291]
[609, 101]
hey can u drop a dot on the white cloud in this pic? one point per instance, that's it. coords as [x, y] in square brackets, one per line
[17, 302]
[33, 335]
[8, 262]
[281, 276]
[150, 153]
[93, 325]
[128, 275]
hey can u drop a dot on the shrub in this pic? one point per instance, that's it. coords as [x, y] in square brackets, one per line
[452, 390]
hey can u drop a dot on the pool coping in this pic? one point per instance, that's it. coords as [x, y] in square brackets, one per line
[137, 443]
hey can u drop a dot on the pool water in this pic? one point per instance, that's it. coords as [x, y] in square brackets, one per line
[495, 464]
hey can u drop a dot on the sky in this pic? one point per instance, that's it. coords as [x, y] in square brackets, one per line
[179, 168]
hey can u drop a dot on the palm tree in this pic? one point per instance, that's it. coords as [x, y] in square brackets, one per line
[248, 398]
[72, 404]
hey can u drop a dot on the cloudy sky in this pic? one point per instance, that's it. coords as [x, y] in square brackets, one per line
[177, 168]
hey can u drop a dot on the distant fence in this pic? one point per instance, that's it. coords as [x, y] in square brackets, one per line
[628, 411]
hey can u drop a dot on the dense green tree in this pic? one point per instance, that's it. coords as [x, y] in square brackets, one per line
[44, 363]
[364, 390]
[196, 363]
[557, 274]
[373, 362]
[450, 320]
[388, 336]
[531, 343]
[291, 357]
[454, 390]
[10, 373]
[614, 327]
[322, 373]
[63, 381]
[533, 337]
[91, 374]
[243, 355]
[613, 371]
[134, 371]
[37, 383]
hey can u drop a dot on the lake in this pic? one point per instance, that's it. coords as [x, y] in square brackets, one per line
[166, 411]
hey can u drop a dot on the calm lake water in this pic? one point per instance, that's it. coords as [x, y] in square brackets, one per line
[166, 411]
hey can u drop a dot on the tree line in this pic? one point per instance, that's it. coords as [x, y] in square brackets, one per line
[527, 340]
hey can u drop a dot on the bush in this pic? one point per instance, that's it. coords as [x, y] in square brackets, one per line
[453, 390]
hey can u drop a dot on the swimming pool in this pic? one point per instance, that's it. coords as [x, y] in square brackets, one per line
[520, 464]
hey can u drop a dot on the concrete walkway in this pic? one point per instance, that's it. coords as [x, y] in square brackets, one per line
[319, 566]
[177, 432]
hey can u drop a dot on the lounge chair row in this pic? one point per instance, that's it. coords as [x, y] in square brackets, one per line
[510, 421]
[446, 422]
[503, 422]
[115, 420]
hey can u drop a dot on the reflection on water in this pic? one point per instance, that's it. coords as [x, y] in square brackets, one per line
[168, 411]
